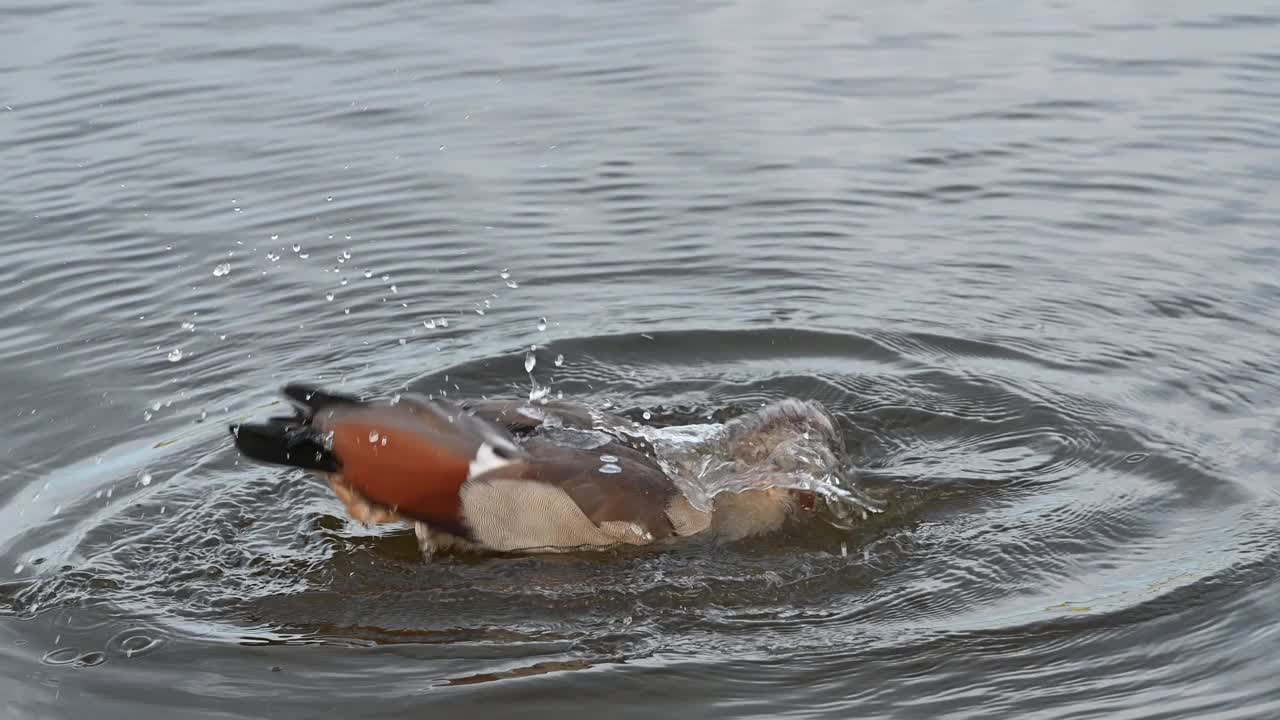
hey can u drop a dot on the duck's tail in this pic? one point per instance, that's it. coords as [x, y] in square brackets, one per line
[293, 441]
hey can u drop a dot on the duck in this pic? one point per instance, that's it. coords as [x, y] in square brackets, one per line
[514, 476]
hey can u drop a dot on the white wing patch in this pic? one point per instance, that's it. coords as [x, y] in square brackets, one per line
[486, 459]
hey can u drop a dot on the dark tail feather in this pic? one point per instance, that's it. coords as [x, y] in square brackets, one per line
[313, 400]
[280, 443]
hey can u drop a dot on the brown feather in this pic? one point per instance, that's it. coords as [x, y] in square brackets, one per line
[399, 459]
[638, 494]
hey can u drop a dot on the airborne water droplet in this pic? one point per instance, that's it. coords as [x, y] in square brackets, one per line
[647, 415]
[145, 480]
[559, 360]
[529, 361]
[221, 269]
[368, 273]
[373, 437]
[542, 324]
[610, 469]
[175, 355]
[328, 296]
[297, 247]
[513, 284]
[429, 324]
[504, 274]
[608, 459]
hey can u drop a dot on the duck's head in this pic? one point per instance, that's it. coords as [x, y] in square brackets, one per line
[790, 440]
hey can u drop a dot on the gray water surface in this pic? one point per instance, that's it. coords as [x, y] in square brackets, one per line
[1027, 253]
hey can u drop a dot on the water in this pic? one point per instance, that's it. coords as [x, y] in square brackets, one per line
[1025, 253]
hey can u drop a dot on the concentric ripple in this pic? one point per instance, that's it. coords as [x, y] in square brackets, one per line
[1005, 516]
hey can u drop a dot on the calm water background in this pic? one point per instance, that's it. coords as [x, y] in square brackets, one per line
[1027, 252]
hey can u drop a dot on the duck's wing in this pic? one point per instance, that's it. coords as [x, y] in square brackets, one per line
[411, 457]
[623, 492]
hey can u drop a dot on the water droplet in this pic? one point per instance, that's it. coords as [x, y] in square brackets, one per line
[444, 322]
[559, 360]
[189, 326]
[204, 414]
[504, 274]
[343, 282]
[145, 480]
[647, 415]
[429, 324]
[610, 469]
[608, 459]
[1136, 457]
[513, 284]
[221, 269]
[297, 247]
[275, 237]
[529, 361]
[542, 324]
[373, 436]
[479, 311]
[304, 256]
[384, 441]
[368, 273]
[329, 199]
[403, 341]
[175, 355]
[19, 568]
[329, 296]
[386, 278]
[346, 254]
[393, 289]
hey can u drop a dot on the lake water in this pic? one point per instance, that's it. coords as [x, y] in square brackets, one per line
[1026, 252]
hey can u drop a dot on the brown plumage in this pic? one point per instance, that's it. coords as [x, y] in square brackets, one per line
[460, 474]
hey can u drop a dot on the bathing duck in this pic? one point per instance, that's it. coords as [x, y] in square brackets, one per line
[512, 476]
